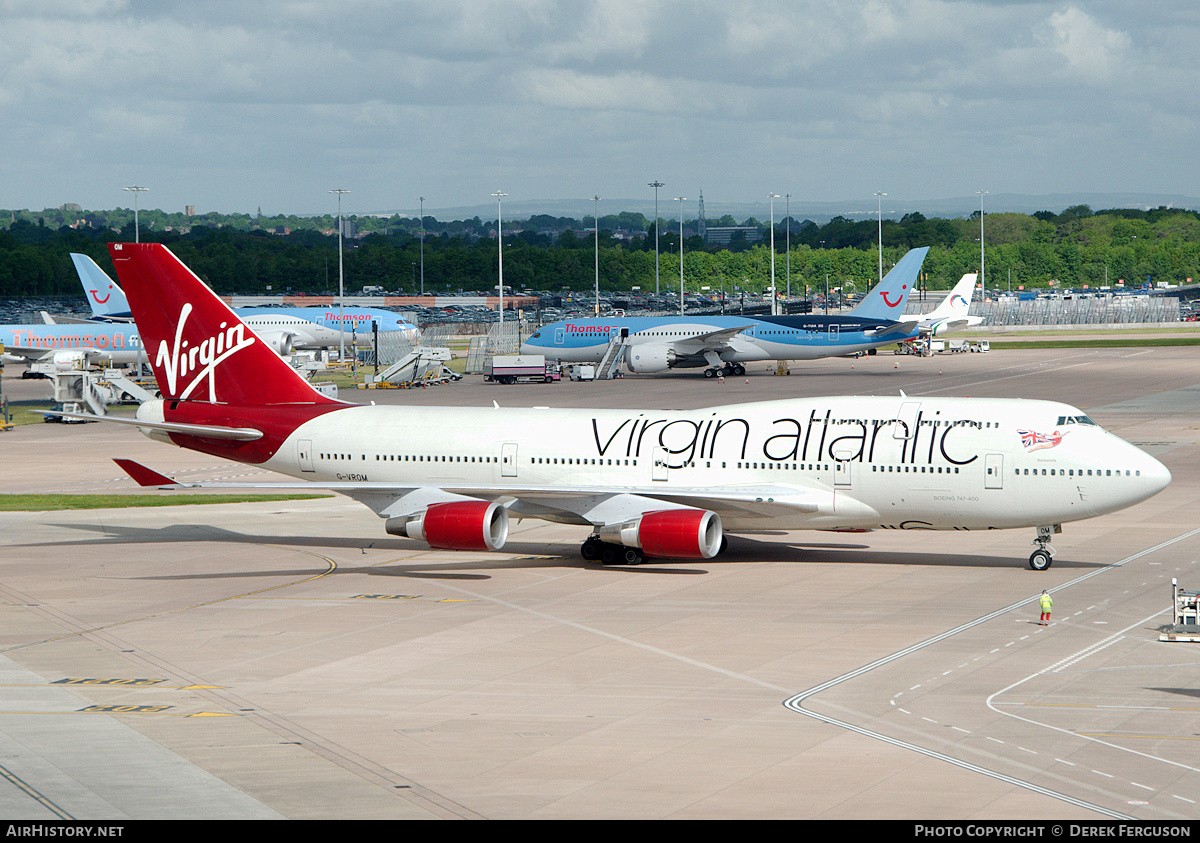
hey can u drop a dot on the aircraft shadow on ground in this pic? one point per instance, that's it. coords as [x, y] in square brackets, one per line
[742, 550]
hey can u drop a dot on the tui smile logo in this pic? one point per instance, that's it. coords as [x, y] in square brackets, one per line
[200, 360]
[899, 299]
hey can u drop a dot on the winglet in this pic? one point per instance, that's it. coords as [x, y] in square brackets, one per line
[144, 476]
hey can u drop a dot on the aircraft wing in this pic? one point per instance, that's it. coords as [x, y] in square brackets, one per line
[561, 503]
[712, 340]
[27, 352]
[898, 328]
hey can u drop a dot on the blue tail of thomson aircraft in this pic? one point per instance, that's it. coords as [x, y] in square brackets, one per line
[887, 298]
[105, 297]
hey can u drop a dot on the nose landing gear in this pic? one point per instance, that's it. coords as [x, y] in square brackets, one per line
[1043, 557]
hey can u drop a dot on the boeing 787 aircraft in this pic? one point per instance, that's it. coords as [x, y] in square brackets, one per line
[723, 344]
[285, 327]
[638, 483]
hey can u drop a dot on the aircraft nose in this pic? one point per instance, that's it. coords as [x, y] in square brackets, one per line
[1158, 477]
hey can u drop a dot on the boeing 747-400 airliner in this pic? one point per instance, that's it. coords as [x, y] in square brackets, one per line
[639, 483]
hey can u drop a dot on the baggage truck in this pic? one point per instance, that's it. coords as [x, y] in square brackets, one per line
[531, 368]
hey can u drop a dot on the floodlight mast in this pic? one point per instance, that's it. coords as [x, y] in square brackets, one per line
[341, 283]
[135, 190]
[656, 185]
[500, 250]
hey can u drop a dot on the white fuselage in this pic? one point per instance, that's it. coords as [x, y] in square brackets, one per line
[840, 463]
[302, 332]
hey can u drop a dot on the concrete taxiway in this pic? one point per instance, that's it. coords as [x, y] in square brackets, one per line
[291, 660]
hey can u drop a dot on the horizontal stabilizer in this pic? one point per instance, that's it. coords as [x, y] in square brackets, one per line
[144, 476]
[206, 431]
[899, 328]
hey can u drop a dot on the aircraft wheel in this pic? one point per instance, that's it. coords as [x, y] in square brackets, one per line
[1040, 560]
[589, 550]
[610, 554]
[710, 373]
[739, 370]
[632, 556]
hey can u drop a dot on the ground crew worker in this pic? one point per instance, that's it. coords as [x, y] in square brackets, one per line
[1047, 604]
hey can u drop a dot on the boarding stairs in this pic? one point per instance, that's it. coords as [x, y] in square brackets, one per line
[423, 363]
[610, 363]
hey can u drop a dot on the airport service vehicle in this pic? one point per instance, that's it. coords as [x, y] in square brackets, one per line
[721, 345]
[639, 483]
[509, 368]
[286, 328]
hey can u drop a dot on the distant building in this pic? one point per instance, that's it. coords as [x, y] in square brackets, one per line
[722, 235]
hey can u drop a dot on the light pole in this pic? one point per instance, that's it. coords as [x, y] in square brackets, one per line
[788, 241]
[596, 220]
[879, 206]
[681, 200]
[656, 185]
[341, 283]
[774, 298]
[135, 190]
[422, 198]
[500, 250]
[982, 278]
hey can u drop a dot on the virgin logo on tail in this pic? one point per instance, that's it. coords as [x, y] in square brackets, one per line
[201, 360]
[888, 301]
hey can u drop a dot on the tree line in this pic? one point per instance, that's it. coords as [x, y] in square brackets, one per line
[245, 254]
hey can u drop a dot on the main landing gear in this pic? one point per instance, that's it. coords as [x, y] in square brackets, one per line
[728, 370]
[610, 554]
[1042, 558]
[618, 554]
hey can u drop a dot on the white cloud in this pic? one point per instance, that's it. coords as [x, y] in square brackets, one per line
[1090, 49]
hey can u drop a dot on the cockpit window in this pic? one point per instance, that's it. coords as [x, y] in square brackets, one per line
[1074, 420]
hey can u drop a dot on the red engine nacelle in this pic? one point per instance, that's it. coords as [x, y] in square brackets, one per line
[457, 525]
[671, 533]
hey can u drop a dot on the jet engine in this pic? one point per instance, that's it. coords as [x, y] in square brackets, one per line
[456, 525]
[69, 361]
[670, 533]
[280, 341]
[649, 358]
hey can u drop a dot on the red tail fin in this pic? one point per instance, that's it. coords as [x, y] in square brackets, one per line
[199, 348]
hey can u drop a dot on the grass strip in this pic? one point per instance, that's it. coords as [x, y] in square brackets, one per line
[1130, 342]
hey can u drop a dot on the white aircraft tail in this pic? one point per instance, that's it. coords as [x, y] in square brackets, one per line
[958, 303]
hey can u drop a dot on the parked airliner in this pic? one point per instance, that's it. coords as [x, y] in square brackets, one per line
[642, 483]
[952, 314]
[69, 345]
[282, 326]
[723, 344]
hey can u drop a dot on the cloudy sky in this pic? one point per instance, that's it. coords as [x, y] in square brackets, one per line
[232, 106]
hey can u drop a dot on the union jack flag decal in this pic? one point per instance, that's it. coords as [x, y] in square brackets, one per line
[1034, 441]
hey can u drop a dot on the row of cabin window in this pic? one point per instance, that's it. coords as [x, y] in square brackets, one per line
[1071, 472]
[410, 458]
